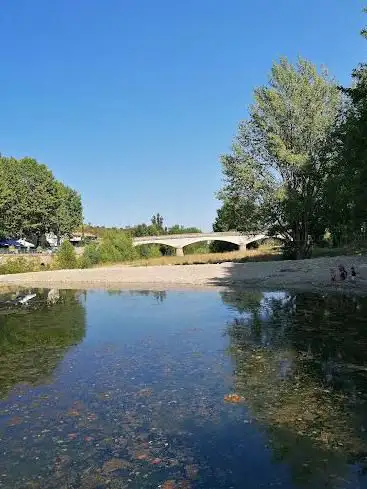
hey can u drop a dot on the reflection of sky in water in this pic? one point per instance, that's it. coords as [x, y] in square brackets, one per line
[173, 346]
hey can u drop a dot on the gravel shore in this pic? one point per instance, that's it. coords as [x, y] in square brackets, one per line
[302, 274]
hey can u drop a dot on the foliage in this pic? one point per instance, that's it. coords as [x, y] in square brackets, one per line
[91, 256]
[157, 221]
[275, 173]
[27, 197]
[69, 211]
[116, 246]
[229, 216]
[32, 202]
[149, 251]
[20, 265]
[66, 256]
[346, 193]
[177, 229]
[155, 228]
[197, 248]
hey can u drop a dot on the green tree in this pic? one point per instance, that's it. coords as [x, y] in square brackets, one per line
[346, 192]
[275, 175]
[157, 221]
[32, 202]
[177, 229]
[27, 197]
[69, 211]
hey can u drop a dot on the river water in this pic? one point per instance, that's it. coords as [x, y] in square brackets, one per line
[180, 390]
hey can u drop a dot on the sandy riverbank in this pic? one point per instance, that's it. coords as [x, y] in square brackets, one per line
[304, 274]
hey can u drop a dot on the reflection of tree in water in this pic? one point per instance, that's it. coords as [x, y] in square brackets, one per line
[34, 338]
[302, 368]
[159, 295]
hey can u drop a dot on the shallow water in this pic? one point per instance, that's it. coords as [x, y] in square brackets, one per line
[199, 390]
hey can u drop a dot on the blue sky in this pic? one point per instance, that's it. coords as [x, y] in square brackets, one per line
[132, 101]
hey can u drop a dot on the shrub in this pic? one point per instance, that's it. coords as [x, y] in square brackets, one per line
[66, 257]
[117, 246]
[19, 265]
[149, 251]
[91, 256]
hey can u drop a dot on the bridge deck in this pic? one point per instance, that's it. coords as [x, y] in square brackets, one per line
[193, 235]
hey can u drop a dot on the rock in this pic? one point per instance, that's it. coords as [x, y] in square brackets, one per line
[170, 484]
[233, 398]
[92, 481]
[115, 464]
[191, 471]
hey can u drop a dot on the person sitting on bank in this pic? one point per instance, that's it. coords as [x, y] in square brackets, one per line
[353, 273]
[342, 272]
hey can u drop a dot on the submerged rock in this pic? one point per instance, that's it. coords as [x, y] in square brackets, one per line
[115, 464]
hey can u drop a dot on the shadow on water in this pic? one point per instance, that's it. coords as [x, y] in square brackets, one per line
[35, 337]
[300, 365]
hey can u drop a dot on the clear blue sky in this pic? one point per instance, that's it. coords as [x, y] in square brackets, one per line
[132, 101]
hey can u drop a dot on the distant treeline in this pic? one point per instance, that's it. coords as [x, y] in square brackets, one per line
[156, 227]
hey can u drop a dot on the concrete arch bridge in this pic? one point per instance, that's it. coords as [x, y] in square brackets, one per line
[179, 241]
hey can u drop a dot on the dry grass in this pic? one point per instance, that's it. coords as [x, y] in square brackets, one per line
[263, 253]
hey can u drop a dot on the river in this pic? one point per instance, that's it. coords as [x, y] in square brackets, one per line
[182, 390]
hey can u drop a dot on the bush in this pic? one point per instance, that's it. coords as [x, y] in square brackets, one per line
[91, 256]
[66, 257]
[117, 246]
[19, 265]
[197, 248]
[149, 251]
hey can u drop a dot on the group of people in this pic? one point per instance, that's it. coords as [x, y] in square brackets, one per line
[343, 274]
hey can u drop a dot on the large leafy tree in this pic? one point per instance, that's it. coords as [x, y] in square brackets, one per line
[32, 202]
[27, 197]
[69, 212]
[346, 191]
[274, 176]
[231, 216]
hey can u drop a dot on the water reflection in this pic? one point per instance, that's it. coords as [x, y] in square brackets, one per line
[159, 295]
[35, 335]
[300, 364]
[139, 402]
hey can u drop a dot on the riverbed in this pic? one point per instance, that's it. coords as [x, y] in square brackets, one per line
[190, 389]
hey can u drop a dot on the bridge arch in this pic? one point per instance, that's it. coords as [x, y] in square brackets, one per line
[224, 239]
[158, 244]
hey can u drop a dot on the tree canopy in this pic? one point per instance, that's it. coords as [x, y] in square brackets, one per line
[275, 172]
[33, 202]
[346, 191]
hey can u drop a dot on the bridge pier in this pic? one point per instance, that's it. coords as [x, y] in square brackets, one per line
[179, 252]
[242, 247]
